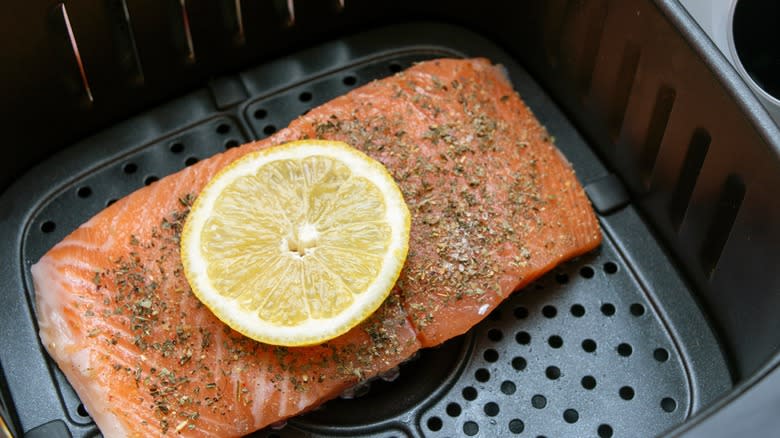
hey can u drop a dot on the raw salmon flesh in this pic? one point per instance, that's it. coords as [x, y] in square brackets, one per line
[494, 205]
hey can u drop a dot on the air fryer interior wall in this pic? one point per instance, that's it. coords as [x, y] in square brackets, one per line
[682, 177]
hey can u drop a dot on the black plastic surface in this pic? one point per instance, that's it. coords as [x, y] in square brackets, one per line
[749, 410]
[607, 194]
[52, 429]
[633, 301]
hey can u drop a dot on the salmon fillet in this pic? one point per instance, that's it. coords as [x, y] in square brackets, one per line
[494, 205]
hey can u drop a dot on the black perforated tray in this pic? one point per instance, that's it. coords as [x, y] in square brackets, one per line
[610, 344]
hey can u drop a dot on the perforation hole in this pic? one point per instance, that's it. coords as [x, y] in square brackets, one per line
[523, 338]
[269, 129]
[521, 312]
[48, 227]
[516, 426]
[549, 311]
[82, 411]
[539, 401]
[151, 179]
[637, 309]
[482, 375]
[453, 409]
[561, 278]
[469, 393]
[490, 355]
[130, 168]
[495, 315]
[230, 144]
[470, 428]
[661, 355]
[589, 345]
[578, 310]
[587, 272]
[608, 309]
[491, 409]
[610, 268]
[260, 114]
[668, 404]
[605, 431]
[552, 372]
[190, 161]
[495, 335]
[305, 96]
[434, 424]
[588, 382]
[555, 341]
[508, 387]
[626, 392]
[519, 363]
[84, 192]
[395, 67]
[223, 128]
[349, 80]
[624, 349]
[571, 416]
[177, 148]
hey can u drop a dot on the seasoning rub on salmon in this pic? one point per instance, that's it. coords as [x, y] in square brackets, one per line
[494, 205]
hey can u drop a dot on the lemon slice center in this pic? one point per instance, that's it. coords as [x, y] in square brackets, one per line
[302, 241]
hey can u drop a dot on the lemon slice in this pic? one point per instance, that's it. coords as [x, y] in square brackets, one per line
[296, 244]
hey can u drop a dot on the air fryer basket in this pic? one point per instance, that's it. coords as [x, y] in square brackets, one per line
[634, 339]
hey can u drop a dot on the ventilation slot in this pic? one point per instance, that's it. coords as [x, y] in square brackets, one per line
[694, 160]
[664, 102]
[598, 15]
[623, 86]
[731, 196]
[124, 41]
